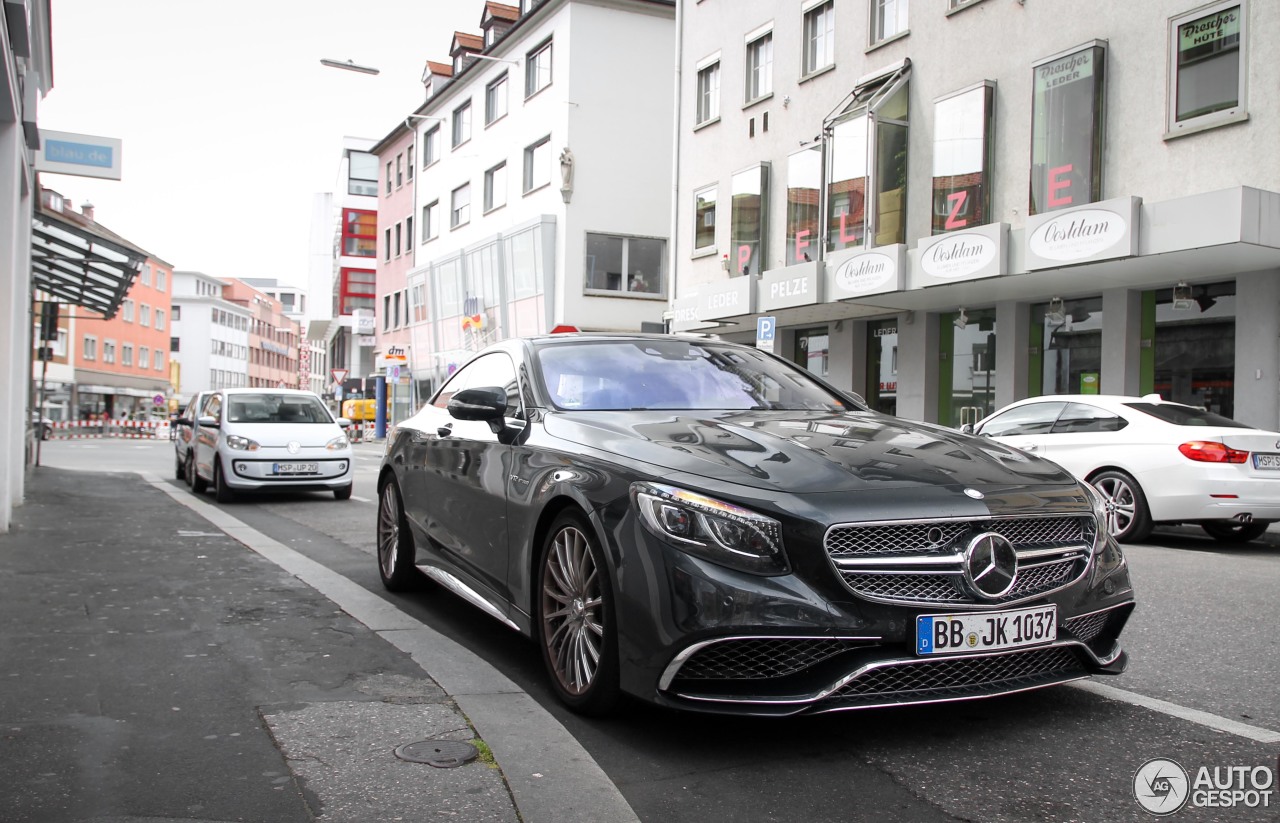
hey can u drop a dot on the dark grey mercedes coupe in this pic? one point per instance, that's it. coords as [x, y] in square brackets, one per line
[706, 526]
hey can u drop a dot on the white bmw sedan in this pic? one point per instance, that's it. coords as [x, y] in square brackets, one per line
[269, 439]
[1154, 462]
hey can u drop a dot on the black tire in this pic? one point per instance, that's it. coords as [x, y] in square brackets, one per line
[179, 467]
[1228, 531]
[1128, 517]
[343, 493]
[221, 491]
[198, 484]
[574, 622]
[396, 552]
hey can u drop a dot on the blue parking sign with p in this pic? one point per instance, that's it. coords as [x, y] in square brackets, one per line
[766, 328]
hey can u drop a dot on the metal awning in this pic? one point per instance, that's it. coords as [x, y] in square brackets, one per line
[81, 267]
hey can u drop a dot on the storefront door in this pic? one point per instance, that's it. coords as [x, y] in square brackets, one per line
[882, 365]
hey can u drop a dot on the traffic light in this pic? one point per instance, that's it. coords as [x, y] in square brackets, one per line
[48, 321]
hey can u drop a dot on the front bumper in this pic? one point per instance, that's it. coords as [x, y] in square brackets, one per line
[257, 470]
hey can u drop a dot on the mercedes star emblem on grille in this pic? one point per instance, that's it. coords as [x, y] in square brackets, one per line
[990, 565]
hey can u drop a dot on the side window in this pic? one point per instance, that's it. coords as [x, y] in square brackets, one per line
[494, 369]
[213, 407]
[1080, 417]
[1034, 418]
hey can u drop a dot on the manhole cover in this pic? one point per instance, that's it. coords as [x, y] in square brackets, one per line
[443, 754]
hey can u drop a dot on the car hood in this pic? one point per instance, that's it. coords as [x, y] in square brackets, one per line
[279, 435]
[805, 451]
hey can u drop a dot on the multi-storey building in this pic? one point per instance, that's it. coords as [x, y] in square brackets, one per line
[394, 262]
[119, 364]
[210, 335]
[948, 206]
[273, 337]
[313, 369]
[542, 193]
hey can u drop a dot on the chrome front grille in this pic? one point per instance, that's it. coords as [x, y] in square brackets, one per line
[922, 562]
[751, 658]
[947, 678]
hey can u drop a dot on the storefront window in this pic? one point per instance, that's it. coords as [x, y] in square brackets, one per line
[962, 158]
[1195, 346]
[967, 366]
[804, 186]
[1066, 130]
[882, 366]
[748, 219]
[813, 350]
[1066, 350]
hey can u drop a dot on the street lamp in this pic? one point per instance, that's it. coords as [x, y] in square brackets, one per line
[349, 65]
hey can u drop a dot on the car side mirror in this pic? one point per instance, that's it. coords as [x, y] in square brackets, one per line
[485, 403]
[182, 421]
[344, 422]
[967, 428]
[208, 422]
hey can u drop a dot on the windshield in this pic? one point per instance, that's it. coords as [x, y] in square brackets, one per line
[675, 374]
[1185, 415]
[276, 408]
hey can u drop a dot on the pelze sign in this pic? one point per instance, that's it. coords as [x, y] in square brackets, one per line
[1098, 231]
[961, 255]
[799, 285]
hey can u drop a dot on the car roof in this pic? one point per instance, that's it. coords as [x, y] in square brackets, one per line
[263, 390]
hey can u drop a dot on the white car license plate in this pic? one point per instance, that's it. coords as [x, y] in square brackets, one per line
[986, 631]
[295, 468]
[1266, 461]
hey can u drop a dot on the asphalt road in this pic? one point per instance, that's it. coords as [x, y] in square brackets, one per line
[1203, 689]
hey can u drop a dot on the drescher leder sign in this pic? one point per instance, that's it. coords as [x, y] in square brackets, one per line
[968, 254]
[1097, 231]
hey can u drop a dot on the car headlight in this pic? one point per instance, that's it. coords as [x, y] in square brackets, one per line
[712, 529]
[1099, 515]
[339, 442]
[235, 441]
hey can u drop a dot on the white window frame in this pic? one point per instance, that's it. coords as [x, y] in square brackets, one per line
[461, 125]
[144, 357]
[126, 354]
[537, 63]
[126, 311]
[431, 146]
[108, 351]
[758, 66]
[714, 188]
[89, 347]
[880, 23]
[430, 221]
[144, 316]
[495, 189]
[1235, 114]
[495, 100]
[707, 91]
[460, 213]
[818, 49]
[530, 182]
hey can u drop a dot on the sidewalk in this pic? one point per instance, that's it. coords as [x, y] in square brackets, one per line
[154, 667]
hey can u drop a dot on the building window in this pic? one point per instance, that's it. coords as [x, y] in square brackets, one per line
[624, 264]
[495, 187]
[126, 311]
[418, 295]
[537, 165]
[126, 354]
[388, 177]
[748, 223]
[399, 170]
[177, 312]
[537, 69]
[1066, 129]
[386, 312]
[495, 100]
[888, 19]
[704, 218]
[873, 127]
[462, 124]
[356, 290]
[144, 316]
[359, 233]
[144, 358]
[708, 93]
[159, 360]
[430, 146]
[963, 149]
[386, 244]
[819, 37]
[159, 319]
[161, 284]
[760, 67]
[460, 206]
[408, 164]
[145, 274]
[399, 238]
[804, 194]
[1207, 67]
[430, 220]
[362, 173]
[108, 351]
[175, 344]
[396, 311]
[408, 234]
[90, 350]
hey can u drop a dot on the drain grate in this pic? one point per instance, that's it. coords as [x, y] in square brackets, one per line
[443, 754]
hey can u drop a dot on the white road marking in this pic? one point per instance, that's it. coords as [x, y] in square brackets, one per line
[361, 499]
[1155, 704]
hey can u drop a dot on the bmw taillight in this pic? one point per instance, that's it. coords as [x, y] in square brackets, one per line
[1209, 451]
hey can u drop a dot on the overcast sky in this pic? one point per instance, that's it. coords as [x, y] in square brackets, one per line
[230, 124]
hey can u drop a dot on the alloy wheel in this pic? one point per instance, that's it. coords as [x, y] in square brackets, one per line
[1121, 505]
[388, 531]
[572, 611]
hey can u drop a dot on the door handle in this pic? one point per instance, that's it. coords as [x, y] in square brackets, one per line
[1031, 447]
